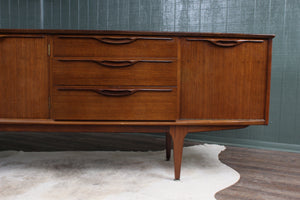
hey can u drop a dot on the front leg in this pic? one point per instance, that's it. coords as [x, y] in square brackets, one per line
[178, 134]
[168, 146]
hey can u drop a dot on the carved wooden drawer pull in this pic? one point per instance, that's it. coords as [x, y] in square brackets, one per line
[115, 40]
[225, 43]
[115, 92]
[115, 63]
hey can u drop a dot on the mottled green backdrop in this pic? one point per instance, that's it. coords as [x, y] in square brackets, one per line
[280, 17]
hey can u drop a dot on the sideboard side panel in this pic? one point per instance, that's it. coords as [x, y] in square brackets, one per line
[24, 86]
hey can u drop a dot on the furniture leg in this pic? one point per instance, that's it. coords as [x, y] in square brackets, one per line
[178, 134]
[168, 146]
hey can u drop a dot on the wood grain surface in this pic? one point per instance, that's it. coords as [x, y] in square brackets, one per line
[224, 82]
[88, 105]
[96, 71]
[133, 33]
[24, 82]
[94, 46]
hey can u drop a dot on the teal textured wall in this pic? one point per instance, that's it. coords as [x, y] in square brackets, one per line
[280, 17]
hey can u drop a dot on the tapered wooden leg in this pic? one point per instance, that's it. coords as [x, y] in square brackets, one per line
[178, 134]
[168, 146]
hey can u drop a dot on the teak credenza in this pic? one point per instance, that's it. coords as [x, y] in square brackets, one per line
[119, 81]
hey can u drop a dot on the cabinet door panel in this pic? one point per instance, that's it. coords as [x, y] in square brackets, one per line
[23, 77]
[224, 79]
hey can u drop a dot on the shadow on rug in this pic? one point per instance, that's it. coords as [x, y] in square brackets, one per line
[113, 175]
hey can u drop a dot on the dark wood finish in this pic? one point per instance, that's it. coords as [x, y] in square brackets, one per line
[113, 81]
[90, 46]
[213, 128]
[193, 123]
[84, 128]
[24, 83]
[125, 72]
[178, 134]
[224, 43]
[134, 33]
[269, 64]
[224, 82]
[115, 92]
[114, 63]
[114, 39]
[21, 36]
[178, 78]
[55, 126]
[87, 105]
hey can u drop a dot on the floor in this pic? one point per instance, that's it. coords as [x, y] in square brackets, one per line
[265, 174]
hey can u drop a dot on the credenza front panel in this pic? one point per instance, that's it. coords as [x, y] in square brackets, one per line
[24, 82]
[224, 78]
[185, 78]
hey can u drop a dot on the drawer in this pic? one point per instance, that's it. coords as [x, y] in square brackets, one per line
[151, 72]
[103, 103]
[114, 46]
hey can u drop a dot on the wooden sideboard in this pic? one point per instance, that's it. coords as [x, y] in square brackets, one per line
[119, 81]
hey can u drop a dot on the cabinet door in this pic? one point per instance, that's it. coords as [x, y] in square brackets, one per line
[23, 76]
[225, 78]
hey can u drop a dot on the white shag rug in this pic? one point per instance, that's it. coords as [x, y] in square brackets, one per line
[113, 175]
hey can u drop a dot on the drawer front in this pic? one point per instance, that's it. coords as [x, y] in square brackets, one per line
[115, 46]
[95, 103]
[151, 72]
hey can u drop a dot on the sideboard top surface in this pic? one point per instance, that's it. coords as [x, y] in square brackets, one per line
[110, 32]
